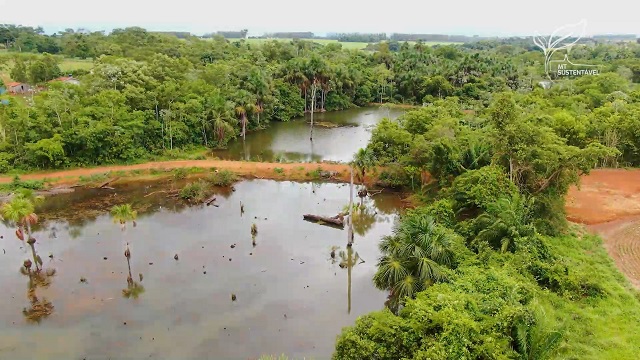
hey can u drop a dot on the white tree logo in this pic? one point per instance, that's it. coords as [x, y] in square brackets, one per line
[562, 38]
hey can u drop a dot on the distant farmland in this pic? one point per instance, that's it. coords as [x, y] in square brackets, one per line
[345, 45]
[65, 64]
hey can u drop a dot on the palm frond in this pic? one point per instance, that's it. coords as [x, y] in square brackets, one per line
[17, 209]
[407, 287]
[123, 213]
[390, 271]
[429, 270]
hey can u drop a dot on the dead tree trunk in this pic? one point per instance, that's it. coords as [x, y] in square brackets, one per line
[104, 185]
[350, 231]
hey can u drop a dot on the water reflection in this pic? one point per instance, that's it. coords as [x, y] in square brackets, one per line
[288, 275]
[289, 141]
[39, 308]
[348, 260]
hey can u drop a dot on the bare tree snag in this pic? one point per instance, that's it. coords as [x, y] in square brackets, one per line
[350, 230]
[104, 185]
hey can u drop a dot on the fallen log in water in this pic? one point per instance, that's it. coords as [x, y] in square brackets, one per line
[104, 185]
[210, 200]
[337, 220]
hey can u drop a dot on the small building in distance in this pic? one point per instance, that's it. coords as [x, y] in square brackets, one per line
[67, 80]
[18, 88]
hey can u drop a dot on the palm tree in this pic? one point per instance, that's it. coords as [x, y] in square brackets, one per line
[242, 114]
[123, 214]
[258, 82]
[533, 341]
[244, 105]
[363, 160]
[20, 210]
[414, 257]
[505, 221]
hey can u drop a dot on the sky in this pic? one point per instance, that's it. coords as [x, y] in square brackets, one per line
[468, 17]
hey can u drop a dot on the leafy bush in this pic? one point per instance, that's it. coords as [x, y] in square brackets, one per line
[180, 173]
[195, 191]
[470, 318]
[474, 190]
[222, 178]
[441, 211]
[17, 184]
[393, 176]
[278, 170]
[6, 161]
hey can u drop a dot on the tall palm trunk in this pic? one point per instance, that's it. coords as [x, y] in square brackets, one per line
[130, 278]
[350, 231]
[32, 245]
[305, 99]
[349, 267]
[313, 108]
[244, 126]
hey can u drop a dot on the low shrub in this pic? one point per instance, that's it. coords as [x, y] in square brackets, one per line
[195, 191]
[222, 178]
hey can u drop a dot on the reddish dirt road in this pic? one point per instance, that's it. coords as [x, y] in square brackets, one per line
[608, 202]
[290, 171]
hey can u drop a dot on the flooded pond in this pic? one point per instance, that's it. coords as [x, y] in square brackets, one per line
[291, 296]
[290, 140]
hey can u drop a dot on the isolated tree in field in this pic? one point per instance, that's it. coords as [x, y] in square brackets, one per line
[20, 211]
[44, 69]
[414, 257]
[19, 70]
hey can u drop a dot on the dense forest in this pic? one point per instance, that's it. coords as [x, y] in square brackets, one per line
[150, 92]
[487, 267]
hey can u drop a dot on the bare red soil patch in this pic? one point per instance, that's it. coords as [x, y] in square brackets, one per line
[608, 202]
[605, 195]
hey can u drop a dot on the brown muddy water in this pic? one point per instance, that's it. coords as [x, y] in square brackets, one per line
[290, 140]
[291, 297]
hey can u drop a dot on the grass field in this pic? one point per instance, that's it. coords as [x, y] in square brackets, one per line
[65, 64]
[345, 45]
